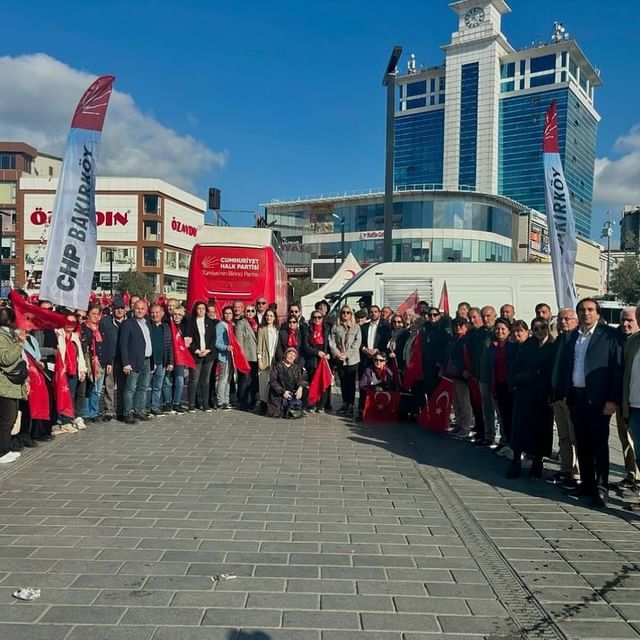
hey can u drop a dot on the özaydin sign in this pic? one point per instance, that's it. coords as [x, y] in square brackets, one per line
[72, 243]
[562, 228]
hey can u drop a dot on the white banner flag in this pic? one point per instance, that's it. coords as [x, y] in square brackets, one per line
[72, 244]
[562, 228]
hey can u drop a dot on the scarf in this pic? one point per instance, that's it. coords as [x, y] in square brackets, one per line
[95, 330]
[292, 338]
[70, 356]
[317, 334]
[253, 323]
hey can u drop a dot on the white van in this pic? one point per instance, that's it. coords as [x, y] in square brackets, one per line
[522, 284]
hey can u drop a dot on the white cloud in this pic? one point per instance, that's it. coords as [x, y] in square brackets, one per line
[38, 95]
[617, 181]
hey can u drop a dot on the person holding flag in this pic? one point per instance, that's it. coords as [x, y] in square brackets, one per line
[315, 347]
[182, 357]
[224, 346]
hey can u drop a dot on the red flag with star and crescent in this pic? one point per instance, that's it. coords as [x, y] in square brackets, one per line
[31, 317]
[321, 381]
[381, 406]
[435, 414]
[64, 401]
[38, 397]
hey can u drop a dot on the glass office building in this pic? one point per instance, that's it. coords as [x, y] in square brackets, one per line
[476, 121]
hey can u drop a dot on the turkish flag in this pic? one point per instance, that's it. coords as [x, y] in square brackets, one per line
[126, 296]
[443, 305]
[64, 402]
[435, 414]
[181, 353]
[38, 392]
[413, 372]
[321, 381]
[105, 301]
[410, 303]
[31, 317]
[381, 407]
[240, 361]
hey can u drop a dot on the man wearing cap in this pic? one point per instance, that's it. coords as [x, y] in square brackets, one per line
[110, 328]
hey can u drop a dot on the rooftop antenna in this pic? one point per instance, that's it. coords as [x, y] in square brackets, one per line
[411, 64]
[559, 32]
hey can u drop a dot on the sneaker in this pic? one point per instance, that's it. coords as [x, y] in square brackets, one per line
[56, 430]
[226, 407]
[459, 431]
[142, 417]
[504, 452]
[191, 410]
[12, 456]
[209, 410]
[130, 420]
[157, 414]
[178, 409]
[79, 424]
[496, 447]
[626, 483]
[68, 428]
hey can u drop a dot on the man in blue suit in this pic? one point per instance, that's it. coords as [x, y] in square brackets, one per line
[135, 350]
[590, 378]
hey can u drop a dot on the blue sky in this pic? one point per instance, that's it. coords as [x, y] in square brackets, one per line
[279, 99]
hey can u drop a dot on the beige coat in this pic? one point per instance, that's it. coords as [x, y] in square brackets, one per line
[265, 357]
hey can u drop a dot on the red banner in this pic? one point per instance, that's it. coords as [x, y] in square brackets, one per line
[414, 371]
[64, 401]
[38, 392]
[181, 353]
[322, 378]
[410, 303]
[31, 317]
[381, 406]
[443, 305]
[435, 415]
[237, 354]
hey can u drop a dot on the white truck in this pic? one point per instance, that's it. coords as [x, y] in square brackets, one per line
[522, 284]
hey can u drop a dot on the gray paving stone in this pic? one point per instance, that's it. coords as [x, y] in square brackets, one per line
[161, 616]
[320, 586]
[283, 601]
[119, 632]
[9, 631]
[493, 627]
[109, 582]
[133, 597]
[399, 621]
[320, 620]
[20, 612]
[195, 633]
[260, 618]
[83, 615]
[430, 604]
[603, 629]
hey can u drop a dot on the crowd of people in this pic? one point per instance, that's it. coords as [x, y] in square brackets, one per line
[512, 380]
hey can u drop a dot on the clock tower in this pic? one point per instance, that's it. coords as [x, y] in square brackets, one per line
[471, 119]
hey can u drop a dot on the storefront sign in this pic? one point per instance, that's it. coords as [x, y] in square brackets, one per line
[371, 235]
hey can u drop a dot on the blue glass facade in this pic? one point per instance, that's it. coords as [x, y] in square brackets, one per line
[468, 125]
[418, 150]
[521, 174]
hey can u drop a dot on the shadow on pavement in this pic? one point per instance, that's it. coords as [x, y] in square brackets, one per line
[461, 457]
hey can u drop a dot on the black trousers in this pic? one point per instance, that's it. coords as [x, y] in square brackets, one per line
[504, 401]
[592, 440]
[248, 387]
[199, 381]
[8, 415]
[347, 374]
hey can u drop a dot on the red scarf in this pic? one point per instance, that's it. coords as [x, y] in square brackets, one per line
[292, 338]
[253, 323]
[237, 354]
[317, 334]
[70, 356]
[95, 330]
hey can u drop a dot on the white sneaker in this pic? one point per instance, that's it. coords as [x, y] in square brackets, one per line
[12, 456]
[56, 430]
[78, 423]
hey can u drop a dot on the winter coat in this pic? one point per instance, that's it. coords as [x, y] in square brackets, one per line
[10, 353]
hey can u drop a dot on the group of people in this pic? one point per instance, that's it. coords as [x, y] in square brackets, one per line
[511, 381]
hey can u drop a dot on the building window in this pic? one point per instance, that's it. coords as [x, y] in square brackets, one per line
[433, 85]
[468, 125]
[583, 81]
[508, 70]
[432, 100]
[563, 76]
[7, 160]
[543, 63]
[507, 86]
[150, 203]
[441, 98]
[573, 68]
[523, 66]
[441, 83]
[564, 59]
[150, 257]
[416, 103]
[151, 231]
[27, 165]
[522, 83]
[416, 88]
[538, 81]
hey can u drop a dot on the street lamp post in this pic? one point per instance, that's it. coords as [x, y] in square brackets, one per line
[111, 271]
[389, 81]
[607, 232]
[341, 220]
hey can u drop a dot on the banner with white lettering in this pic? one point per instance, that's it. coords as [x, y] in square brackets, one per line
[72, 243]
[562, 229]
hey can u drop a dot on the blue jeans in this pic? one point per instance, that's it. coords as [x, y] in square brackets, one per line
[91, 407]
[157, 387]
[134, 397]
[634, 427]
[173, 386]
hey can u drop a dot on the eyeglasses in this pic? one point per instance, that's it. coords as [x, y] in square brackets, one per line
[433, 315]
[293, 322]
[345, 313]
[539, 328]
[250, 310]
[316, 317]
[81, 317]
[379, 360]
[398, 322]
[261, 302]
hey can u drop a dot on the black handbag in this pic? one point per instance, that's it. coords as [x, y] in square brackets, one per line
[17, 374]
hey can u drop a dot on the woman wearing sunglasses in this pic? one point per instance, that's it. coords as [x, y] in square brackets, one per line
[376, 376]
[315, 347]
[344, 343]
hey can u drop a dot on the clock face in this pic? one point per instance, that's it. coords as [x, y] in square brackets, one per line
[474, 17]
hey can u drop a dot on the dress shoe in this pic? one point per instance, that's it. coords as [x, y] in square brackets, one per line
[130, 420]
[599, 499]
[514, 470]
[581, 491]
[143, 417]
[30, 443]
[482, 443]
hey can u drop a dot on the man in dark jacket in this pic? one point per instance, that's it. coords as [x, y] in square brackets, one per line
[162, 345]
[135, 354]
[590, 378]
[110, 405]
[375, 338]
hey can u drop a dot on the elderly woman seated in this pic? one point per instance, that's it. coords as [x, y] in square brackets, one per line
[378, 376]
[287, 382]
